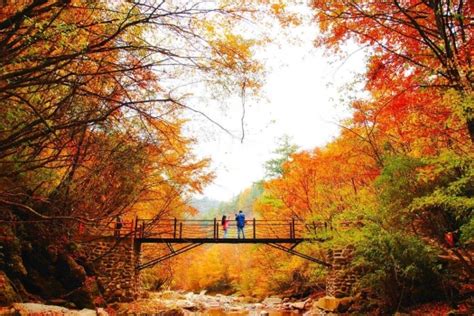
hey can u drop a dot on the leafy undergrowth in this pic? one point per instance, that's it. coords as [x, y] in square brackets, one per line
[440, 308]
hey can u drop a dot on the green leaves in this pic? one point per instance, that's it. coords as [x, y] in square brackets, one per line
[275, 167]
[397, 266]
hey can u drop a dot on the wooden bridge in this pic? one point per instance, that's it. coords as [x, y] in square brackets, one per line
[284, 235]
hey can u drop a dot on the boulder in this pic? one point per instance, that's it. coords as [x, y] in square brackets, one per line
[188, 305]
[77, 271]
[172, 312]
[102, 312]
[236, 308]
[272, 301]
[258, 305]
[61, 302]
[88, 295]
[87, 312]
[7, 311]
[333, 304]
[17, 265]
[24, 309]
[8, 294]
[298, 305]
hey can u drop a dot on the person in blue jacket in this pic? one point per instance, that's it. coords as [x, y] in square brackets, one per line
[240, 219]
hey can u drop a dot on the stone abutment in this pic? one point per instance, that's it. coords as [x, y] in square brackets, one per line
[114, 261]
[342, 276]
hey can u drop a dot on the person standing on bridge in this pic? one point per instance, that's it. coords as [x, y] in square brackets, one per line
[240, 219]
[225, 225]
[118, 226]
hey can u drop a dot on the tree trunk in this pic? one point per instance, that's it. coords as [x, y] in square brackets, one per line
[470, 128]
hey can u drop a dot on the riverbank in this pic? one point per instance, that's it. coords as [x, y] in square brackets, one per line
[175, 303]
[180, 303]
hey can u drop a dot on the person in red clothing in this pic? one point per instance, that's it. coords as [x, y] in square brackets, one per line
[449, 239]
[225, 225]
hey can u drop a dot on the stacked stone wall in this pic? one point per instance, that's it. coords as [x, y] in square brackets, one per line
[342, 276]
[114, 261]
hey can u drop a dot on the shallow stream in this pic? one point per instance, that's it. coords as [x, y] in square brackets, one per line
[218, 305]
[220, 312]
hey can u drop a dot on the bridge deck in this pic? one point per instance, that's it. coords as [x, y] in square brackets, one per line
[222, 240]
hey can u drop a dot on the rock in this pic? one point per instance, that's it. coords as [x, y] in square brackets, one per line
[88, 295]
[102, 312]
[298, 305]
[458, 313]
[333, 304]
[211, 305]
[58, 302]
[272, 301]
[17, 265]
[172, 312]
[87, 312]
[188, 305]
[77, 272]
[264, 313]
[236, 308]
[202, 293]
[7, 311]
[52, 252]
[117, 293]
[287, 306]
[8, 294]
[24, 309]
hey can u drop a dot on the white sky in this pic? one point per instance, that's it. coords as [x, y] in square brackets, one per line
[301, 98]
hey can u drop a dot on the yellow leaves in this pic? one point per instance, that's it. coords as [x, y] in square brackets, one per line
[427, 174]
[278, 8]
[234, 50]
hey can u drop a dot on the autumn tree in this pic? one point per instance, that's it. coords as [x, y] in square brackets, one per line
[77, 76]
[93, 97]
[283, 152]
[426, 44]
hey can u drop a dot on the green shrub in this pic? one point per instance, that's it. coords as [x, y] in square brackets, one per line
[400, 269]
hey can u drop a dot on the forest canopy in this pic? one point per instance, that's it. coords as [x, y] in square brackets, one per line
[92, 127]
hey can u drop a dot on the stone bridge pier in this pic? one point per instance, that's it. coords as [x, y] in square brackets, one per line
[114, 261]
[339, 282]
[342, 276]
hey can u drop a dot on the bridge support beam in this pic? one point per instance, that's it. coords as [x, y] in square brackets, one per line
[291, 250]
[169, 255]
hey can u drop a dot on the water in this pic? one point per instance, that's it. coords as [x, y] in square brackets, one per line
[220, 312]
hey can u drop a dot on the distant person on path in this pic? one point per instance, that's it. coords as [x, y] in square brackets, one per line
[225, 225]
[240, 219]
[118, 226]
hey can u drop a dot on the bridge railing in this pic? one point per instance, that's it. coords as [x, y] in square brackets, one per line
[213, 229]
[108, 229]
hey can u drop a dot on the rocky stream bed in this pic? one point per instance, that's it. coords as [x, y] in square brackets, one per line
[171, 303]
